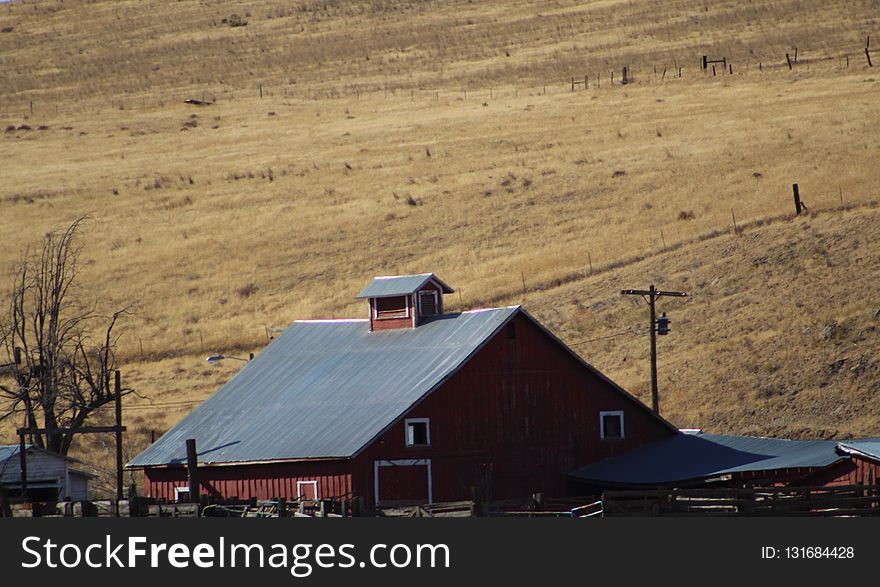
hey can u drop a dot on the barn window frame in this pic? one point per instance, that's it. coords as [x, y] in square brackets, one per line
[377, 465]
[602, 431]
[410, 424]
[429, 293]
[301, 484]
[397, 314]
[181, 490]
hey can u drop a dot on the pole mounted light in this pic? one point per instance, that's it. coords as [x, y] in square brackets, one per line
[658, 326]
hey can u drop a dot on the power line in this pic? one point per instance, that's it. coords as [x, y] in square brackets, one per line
[636, 332]
[163, 405]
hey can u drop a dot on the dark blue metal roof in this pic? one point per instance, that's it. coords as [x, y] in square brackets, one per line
[400, 285]
[325, 389]
[686, 457]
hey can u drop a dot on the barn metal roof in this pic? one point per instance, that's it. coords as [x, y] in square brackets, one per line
[324, 389]
[869, 447]
[399, 285]
[686, 457]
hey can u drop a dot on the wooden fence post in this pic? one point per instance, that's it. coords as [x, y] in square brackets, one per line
[192, 470]
[797, 198]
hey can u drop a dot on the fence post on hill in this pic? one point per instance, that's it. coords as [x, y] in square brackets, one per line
[788, 59]
[797, 198]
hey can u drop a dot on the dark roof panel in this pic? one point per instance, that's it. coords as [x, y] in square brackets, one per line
[325, 389]
[400, 285]
[686, 457]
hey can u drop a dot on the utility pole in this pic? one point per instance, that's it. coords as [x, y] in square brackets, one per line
[117, 392]
[658, 326]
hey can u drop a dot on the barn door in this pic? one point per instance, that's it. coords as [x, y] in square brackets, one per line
[307, 490]
[403, 482]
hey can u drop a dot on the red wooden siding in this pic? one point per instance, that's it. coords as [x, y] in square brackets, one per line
[516, 419]
[260, 481]
[403, 483]
[855, 470]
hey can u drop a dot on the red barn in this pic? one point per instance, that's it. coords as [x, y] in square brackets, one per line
[413, 405]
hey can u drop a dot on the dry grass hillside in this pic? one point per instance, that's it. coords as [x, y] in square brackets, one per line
[396, 136]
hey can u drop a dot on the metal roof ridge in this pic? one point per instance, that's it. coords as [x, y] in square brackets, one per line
[477, 310]
[402, 276]
[331, 320]
[851, 450]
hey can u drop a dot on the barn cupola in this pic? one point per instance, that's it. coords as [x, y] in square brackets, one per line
[404, 301]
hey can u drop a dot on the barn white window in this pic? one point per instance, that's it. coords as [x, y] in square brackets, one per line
[181, 493]
[611, 425]
[428, 304]
[418, 431]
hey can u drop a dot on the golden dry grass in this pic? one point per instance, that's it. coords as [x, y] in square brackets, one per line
[223, 221]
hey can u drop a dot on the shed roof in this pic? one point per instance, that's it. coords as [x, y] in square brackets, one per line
[687, 457]
[10, 450]
[867, 448]
[7, 450]
[400, 285]
[325, 389]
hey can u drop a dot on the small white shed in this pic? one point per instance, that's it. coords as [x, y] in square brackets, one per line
[50, 476]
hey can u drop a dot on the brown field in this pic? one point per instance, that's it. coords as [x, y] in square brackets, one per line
[444, 136]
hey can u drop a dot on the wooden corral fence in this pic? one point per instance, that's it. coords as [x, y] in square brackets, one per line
[532, 507]
[850, 500]
[147, 507]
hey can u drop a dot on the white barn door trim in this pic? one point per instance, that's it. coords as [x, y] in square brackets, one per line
[401, 463]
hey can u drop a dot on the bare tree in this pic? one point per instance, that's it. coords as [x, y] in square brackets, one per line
[60, 350]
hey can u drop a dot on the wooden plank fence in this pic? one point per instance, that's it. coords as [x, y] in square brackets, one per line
[851, 500]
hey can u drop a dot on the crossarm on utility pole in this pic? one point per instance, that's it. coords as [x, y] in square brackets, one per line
[651, 294]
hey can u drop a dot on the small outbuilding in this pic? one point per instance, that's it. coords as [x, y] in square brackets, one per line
[695, 459]
[861, 467]
[50, 476]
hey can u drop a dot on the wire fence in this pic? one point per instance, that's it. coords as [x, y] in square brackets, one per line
[594, 80]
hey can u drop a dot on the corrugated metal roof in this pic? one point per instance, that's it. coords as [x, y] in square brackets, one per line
[869, 447]
[325, 389]
[399, 285]
[7, 451]
[685, 457]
